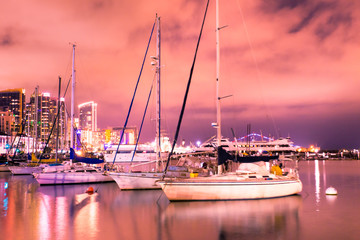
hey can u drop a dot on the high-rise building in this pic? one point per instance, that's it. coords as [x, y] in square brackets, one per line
[13, 101]
[88, 116]
[88, 123]
[7, 121]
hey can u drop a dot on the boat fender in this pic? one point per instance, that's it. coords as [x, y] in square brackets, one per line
[90, 190]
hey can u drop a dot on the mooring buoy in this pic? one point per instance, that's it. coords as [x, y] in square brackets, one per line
[331, 191]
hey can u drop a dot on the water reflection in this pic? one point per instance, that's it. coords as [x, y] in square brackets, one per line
[70, 211]
[317, 183]
[138, 214]
[254, 219]
[4, 199]
[30, 211]
[320, 186]
[67, 212]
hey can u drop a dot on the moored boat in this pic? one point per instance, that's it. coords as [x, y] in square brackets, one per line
[254, 179]
[150, 157]
[232, 186]
[73, 173]
[136, 181]
[25, 170]
[75, 176]
[4, 168]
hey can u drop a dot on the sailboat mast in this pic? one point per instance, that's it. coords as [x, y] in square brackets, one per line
[72, 99]
[218, 110]
[158, 105]
[57, 122]
[36, 118]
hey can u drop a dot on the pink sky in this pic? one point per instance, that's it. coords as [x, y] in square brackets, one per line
[291, 66]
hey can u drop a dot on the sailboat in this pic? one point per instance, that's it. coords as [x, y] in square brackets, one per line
[142, 180]
[70, 173]
[252, 180]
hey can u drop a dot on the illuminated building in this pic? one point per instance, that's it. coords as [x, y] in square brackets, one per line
[13, 101]
[88, 116]
[88, 123]
[7, 121]
[130, 135]
[41, 113]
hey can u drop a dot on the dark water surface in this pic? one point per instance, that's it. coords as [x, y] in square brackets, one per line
[28, 211]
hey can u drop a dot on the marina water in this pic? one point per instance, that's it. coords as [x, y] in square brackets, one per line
[28, 211]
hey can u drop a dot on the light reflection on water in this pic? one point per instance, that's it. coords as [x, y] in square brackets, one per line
[317, 183]
[234, 219]
[67, 212]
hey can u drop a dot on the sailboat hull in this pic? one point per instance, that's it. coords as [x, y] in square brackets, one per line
[71, 178]
[137, 181]
[4, 168]
[228, 188]
[17, 170]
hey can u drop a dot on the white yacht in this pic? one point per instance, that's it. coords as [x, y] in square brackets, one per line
[144, 153]
[278, 146]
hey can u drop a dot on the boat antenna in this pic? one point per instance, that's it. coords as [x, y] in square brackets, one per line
[186, 94]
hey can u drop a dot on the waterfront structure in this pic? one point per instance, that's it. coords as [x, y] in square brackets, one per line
[11, 143]
[13, 101]
[113, 135]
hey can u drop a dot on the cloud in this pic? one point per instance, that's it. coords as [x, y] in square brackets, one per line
[310, 14]
[333, 22]
[278, 5]
[7, 38]
[298, 57]
[322, 17]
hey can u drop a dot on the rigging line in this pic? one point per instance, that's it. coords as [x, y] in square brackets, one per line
[67, 86]
[68, 114]
[258, 72]
[142, 122]
[20, 135]
[132, 100]
[186, 93]
[69, 64]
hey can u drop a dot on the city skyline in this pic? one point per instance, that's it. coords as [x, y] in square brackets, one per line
[290, 66]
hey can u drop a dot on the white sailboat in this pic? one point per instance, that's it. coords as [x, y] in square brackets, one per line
[71, 173]
[4, 168]
[24, 170]
[76, 175]
[250, 181]
[145, 180]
